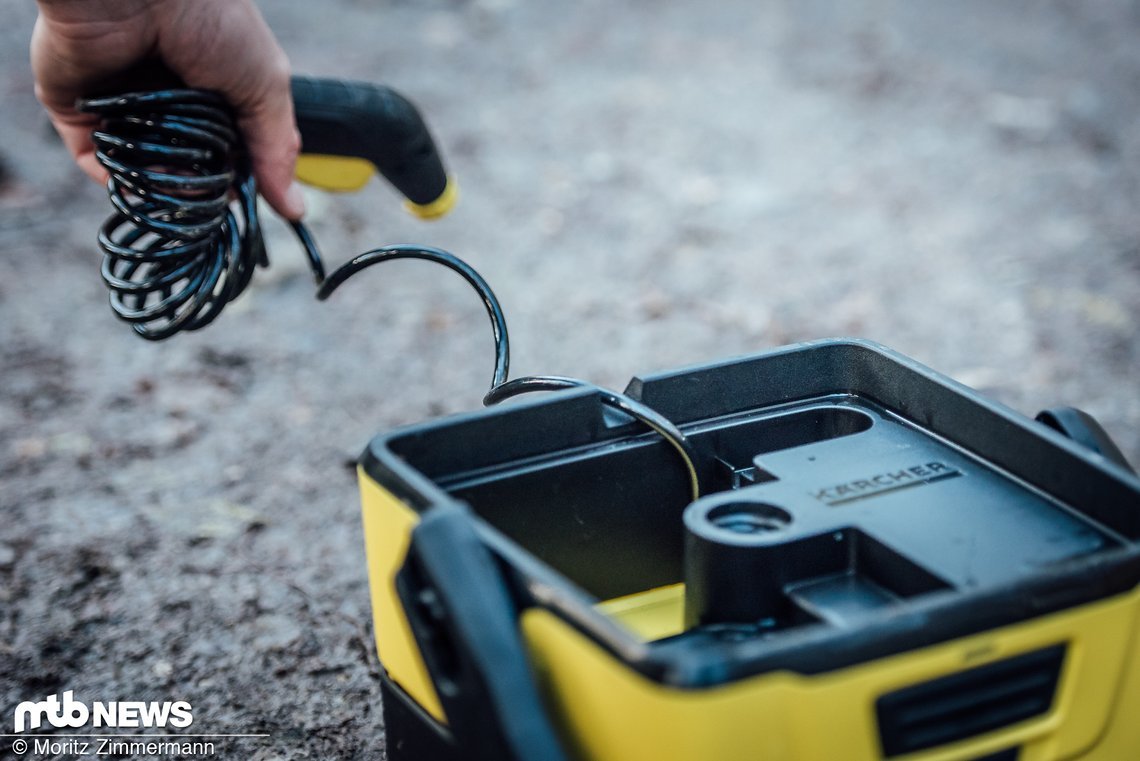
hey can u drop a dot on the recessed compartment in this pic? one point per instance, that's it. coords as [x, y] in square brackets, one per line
[736, 448]
[609, 516]
[870, 578]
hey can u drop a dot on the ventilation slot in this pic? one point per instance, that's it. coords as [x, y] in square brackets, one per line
[1009, 754]
[969, 703]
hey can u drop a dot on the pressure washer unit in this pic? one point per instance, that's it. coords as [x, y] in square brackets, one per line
[883, 564]
[825, 552]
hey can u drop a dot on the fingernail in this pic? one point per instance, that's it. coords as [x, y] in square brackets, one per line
[295, 200]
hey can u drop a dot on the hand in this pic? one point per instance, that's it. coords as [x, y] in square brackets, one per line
[80, 47]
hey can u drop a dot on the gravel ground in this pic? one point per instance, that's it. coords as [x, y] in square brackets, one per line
[646, 185]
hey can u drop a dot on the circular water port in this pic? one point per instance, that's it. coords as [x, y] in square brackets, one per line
[749, 517]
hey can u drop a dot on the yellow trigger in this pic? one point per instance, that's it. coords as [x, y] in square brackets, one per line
[344, 174]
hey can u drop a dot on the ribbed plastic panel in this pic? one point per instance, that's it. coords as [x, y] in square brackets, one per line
[969, 703]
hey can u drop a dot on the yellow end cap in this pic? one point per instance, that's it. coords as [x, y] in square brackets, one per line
[339, 174]
[440, 206]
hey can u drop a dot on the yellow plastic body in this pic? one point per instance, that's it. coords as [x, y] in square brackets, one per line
[388, 524]
[651, 615]
[347, 174]
[339, 174]
[606, 711]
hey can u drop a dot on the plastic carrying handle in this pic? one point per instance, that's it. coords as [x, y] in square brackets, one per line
[465, 623]
[350, 128]
[1084, 429]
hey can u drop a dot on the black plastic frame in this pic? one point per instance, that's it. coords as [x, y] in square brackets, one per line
[1087, 483]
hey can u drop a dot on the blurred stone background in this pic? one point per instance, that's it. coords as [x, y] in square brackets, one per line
[645, 185]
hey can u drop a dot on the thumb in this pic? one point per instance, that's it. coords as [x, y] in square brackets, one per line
[271, 135]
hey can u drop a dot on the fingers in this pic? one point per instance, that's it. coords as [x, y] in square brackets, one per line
[92, 168]
[221, 45]
[69, 55]
[267, 120]
[77, 138]
[234, 52]
[273, 140]
[53, 92]
[75, 131]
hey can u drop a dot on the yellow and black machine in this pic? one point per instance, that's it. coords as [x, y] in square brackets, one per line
[822, 552]
[880, 564]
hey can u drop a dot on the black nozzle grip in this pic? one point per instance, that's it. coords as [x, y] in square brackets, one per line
[374, 123]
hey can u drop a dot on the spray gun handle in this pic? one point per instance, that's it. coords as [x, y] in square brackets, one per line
[350, 129]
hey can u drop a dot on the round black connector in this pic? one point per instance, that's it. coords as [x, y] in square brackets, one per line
[733, 553]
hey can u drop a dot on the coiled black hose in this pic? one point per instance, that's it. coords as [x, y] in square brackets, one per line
[184, 238]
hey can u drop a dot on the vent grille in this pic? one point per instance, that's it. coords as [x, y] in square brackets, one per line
[969, 703]
[1009, 754]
